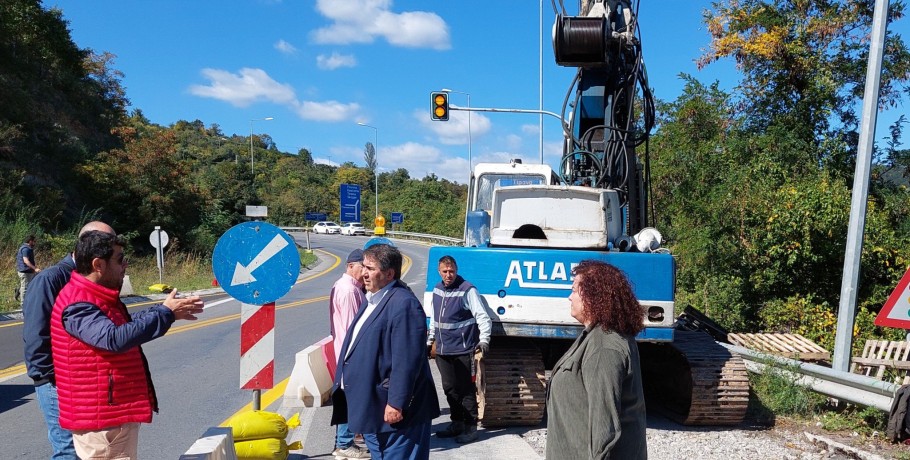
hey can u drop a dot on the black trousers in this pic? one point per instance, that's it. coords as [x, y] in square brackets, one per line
[461, 392]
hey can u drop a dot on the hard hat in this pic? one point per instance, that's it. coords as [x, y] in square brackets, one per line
[378, 240]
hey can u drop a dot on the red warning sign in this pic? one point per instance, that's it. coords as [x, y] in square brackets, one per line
[896, 311]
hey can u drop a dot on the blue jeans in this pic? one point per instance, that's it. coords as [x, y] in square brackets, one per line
[61, 440]
[411, 443]
[343, 436]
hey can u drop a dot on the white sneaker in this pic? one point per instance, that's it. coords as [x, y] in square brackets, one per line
[352, 452]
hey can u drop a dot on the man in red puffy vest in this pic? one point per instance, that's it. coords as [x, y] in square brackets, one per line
[103, 382]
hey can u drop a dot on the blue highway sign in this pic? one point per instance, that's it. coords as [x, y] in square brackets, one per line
[350, 203]
[397, 218]
[256, 262]
[317, 216]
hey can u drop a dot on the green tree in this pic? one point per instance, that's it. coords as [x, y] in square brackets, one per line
[58, 106]
[804, 61]
[144, 184]
[305, 156]
[369, 157]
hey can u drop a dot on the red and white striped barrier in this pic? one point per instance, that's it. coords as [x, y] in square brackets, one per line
[257, 346]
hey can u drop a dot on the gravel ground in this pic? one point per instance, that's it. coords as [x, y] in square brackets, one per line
[668, 440]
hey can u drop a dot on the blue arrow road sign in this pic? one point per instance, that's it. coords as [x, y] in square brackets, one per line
[397, 217]
[350, 203]
[256, 262]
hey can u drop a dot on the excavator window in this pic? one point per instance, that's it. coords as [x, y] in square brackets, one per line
[490, 182]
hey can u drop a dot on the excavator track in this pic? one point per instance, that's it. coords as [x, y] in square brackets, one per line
[695, 380]
[511, 388]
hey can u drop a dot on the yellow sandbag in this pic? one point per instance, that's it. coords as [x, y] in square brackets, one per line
[260, 425]
[265, 449]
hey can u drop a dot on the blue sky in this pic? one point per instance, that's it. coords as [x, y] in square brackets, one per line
[320, 67]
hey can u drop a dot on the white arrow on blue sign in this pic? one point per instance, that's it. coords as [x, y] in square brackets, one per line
[256, 262]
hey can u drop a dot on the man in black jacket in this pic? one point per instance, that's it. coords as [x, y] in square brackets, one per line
[460, 326]
[36, 333]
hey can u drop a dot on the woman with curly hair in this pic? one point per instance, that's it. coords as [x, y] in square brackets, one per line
[595, 403]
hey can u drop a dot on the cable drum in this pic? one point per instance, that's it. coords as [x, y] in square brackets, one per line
[580, 41]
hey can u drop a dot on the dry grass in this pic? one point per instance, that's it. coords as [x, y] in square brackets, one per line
[184, 271]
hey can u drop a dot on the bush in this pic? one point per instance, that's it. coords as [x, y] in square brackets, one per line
[778, 392]
[816, 321]
[863, 420]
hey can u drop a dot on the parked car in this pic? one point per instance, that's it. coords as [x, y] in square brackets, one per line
[353, 228]
[326, 227]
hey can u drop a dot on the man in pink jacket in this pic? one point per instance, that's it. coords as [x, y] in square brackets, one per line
[344, 302]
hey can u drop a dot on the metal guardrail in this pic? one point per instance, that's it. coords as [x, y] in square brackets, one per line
[846, 386]
[436, 239]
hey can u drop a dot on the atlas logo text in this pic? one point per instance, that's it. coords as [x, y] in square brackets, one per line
[535, 274]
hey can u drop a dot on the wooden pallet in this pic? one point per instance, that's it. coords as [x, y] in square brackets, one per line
[793, 346]
[885, 360]
[511, 387]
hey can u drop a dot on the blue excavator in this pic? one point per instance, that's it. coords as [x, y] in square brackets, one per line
[528, 225]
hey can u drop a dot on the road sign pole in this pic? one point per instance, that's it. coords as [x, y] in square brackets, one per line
[160, 252]
[159, 239]
[256, 263]
[846, 312]
[257, 349]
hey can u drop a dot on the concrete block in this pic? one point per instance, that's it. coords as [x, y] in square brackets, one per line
[310, 381]
[216, 443]
[127, 288]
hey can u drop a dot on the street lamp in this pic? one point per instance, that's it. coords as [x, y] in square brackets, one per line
[251, 142]
[376, 156]
[446, 90]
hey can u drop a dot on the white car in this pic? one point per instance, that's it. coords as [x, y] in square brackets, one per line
[327, 227]
[353, 228]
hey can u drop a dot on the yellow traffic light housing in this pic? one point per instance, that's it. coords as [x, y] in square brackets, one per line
[439, 103]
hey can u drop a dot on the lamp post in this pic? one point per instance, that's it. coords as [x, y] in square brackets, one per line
[251, 142]
[447, 90]
[376, 172]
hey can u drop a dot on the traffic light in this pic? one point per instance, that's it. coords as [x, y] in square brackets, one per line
[440, 106]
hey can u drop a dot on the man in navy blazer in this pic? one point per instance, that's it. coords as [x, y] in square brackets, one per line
[383, 386]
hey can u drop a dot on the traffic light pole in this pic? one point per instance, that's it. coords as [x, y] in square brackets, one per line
[489, 109]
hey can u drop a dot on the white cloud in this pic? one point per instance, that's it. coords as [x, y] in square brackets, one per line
[498, 157]
[530, 129]
[455, 131]
[285, 47]
[362, 21]
[327, 111]
[513, 142]
[335, 61]
[255, 85]
[418, 159]
[325, 161]
[529, 154]
[243, 89]
[421, 160]
[552, 152]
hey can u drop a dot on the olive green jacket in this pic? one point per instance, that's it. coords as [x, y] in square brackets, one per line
[595, 402]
